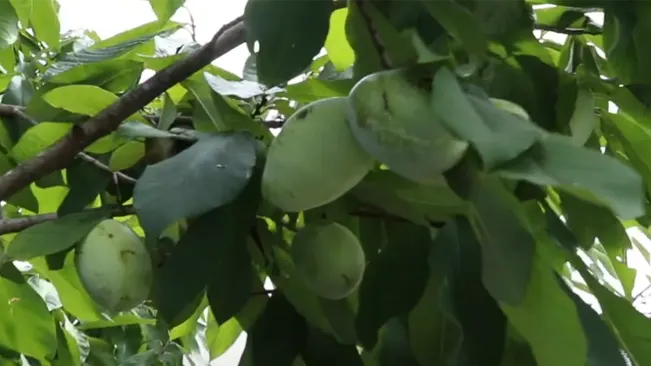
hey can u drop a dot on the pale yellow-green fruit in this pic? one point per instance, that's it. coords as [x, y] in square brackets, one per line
[329, 258]
[507, 105]
[315, 159]
[390, 114]
[114, 266]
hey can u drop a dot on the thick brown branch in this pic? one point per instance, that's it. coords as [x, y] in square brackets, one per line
[59, 155]
[17, 224]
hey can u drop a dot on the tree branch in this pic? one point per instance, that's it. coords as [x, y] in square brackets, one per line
[17, 224]
[59, 155]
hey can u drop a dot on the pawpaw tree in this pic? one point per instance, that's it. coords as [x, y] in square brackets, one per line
[427, 182]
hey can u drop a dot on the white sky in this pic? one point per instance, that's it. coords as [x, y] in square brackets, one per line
[109, 17]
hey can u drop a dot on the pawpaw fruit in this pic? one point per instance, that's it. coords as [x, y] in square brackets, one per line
[330, 259]
[509, 106]
[314, 159]
[391, 117]
[114, 266]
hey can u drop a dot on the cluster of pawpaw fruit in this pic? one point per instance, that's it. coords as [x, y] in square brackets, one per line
[328, 146]
[324, 149]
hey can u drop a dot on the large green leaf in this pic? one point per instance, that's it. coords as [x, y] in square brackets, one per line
[81, 99]
[214, 171]
[340, 53]
[289, 36]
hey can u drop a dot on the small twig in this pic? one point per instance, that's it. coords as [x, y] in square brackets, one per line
[193, 25]
[17, 224]
[8, 110]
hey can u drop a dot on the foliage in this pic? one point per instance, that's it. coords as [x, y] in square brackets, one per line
[509, 162]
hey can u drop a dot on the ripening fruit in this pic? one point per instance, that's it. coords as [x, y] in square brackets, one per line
[114, 266]
[314, 159]
[509, 106]
[391, 117]
[330, 259]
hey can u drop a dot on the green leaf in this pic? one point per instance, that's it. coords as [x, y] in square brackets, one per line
[394, 282]
[215, 169]
[420, 203]
[583, 120]
[289, 36]
[203, 94]
[499, 136]
[232, 259]
[85, 181]
[548, 319]
[336, 44]
[558, 162]
[88, 100]
[242, 89]
[168, 115]
[23, 9]
[114, 75]
[127, 155]
[311, 90]
[8, 25]
[269, 347]
[25, 197]
[631, 327]
[133, 129]
[460, 23]
[165, 9]
[44, 19]
[206, 263]
[482, 323]
[603, 349]
[54, 236]
[31, 329]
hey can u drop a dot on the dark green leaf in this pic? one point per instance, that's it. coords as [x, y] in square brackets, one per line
[209, 174]
[289, 36]
[394, 282]
[321, 349]
[212, 253]
[459, 22]
[85, 181]
[278, 335]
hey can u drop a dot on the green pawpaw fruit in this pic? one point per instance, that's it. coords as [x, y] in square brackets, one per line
[391, 117]
[509, 106]
[314, 159]
[114, 266]
[330, 259]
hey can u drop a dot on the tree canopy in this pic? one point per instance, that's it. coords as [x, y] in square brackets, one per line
[427, 182]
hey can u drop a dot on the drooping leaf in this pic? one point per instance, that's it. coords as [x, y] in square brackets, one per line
[165, 9]
[340, 53]
[214, 170]
[242, 89]
[85, 181]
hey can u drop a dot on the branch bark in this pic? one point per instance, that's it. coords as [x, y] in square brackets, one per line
[17, 224]
[59, 155]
